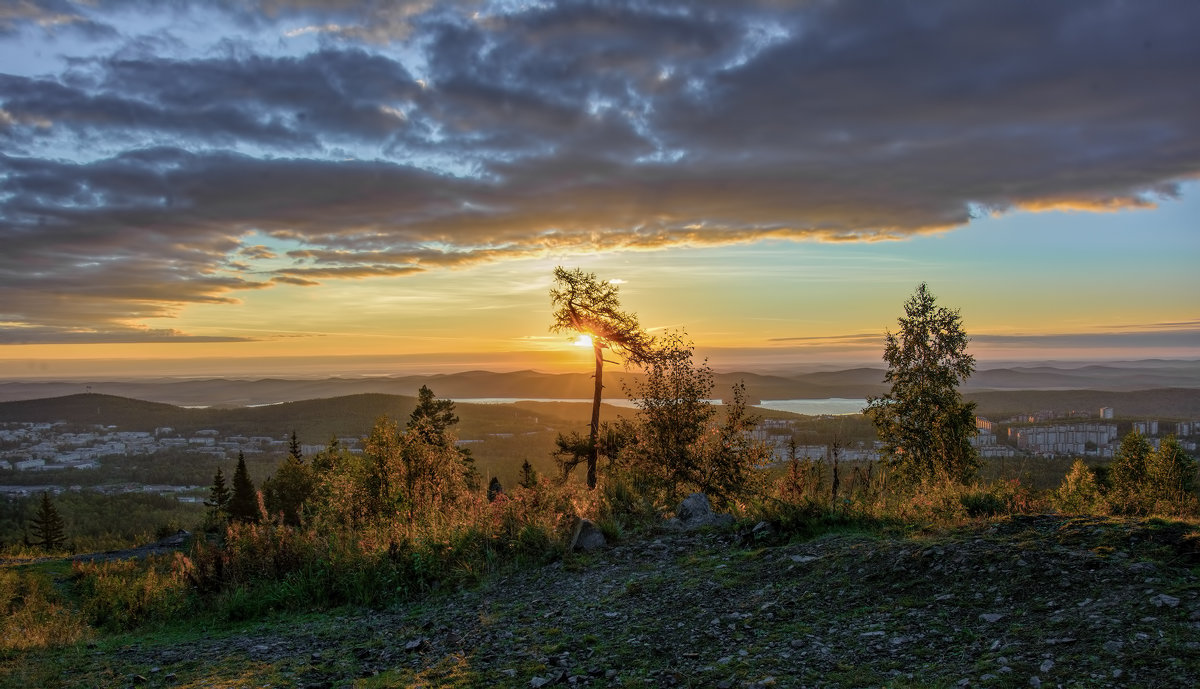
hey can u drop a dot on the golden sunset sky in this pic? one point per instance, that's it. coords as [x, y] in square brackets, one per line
[311, 188]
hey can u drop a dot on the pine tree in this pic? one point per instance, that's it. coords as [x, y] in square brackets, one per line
[586, 305]
[432, 417]
[294, 448]
[49, 529]
[218, 501]
[529, 476]
[243, 504]
[495, 490]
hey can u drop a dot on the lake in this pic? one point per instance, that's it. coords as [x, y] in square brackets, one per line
[813, 407]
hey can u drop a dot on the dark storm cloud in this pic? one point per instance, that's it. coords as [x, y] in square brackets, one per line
[429, 135]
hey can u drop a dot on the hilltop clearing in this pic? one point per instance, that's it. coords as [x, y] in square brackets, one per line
[1019, 602]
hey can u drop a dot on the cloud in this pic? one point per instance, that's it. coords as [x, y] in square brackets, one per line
[385, 139]
[41, 335]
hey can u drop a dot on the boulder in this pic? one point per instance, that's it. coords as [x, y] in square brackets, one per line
[587, 536]
[695, 512]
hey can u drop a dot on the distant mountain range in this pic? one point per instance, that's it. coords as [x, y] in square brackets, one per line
[852, 383]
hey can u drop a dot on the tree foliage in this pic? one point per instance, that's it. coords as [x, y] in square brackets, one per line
[679, 441]
[48, 527]
[589, 306]
[529, 476]
[923, 422]
[288, 489]
[432, 419]
[217, 503]
[243, 503]
[1145, 480]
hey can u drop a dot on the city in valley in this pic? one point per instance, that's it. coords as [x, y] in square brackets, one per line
[55, 454]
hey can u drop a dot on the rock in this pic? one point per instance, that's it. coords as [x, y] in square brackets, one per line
[1163, 599]
[762, 531]
[1047, 666]
[992, 617]
[588, 536]
[1035, 682]
[1113, 646]
[695, 512]
[417, 645]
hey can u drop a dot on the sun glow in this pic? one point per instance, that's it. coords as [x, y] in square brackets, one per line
[583, 341]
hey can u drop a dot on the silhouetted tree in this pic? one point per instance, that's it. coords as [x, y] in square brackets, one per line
[584, 304]
[294, 448]
[286, 492]
[494, 490]
[431, 420]
[679, 441]
[243, 503]
[218, 502]
[923, 422]
[529, 475]
[432, 417]
[48, 527]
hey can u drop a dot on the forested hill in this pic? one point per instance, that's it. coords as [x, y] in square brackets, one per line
[316, 419]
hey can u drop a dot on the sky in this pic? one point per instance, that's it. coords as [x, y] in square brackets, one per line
[306, 186]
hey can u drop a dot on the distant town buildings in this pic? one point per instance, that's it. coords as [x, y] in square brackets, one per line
[1106, 412]
[1082, 439]
[49, 447]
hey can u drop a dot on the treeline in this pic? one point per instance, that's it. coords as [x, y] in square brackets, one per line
[97, 522]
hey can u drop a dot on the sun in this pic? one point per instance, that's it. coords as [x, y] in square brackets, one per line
[583, 341]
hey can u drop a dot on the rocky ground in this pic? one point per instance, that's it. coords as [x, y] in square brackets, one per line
[1034, 601]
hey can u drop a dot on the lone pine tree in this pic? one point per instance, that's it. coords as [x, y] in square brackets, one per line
[48, 527]
[586, 305]
[218, 502]
[243, 504]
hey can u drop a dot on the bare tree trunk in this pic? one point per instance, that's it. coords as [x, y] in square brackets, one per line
[594, 449]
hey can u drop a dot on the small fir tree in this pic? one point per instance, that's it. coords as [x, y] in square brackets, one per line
[529, 476]
[218, 502]
[243, 504]
[49, 529]
[495, 490]
[294, 448]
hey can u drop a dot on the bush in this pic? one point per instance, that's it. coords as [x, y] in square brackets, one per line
[1079, 492]
[124, 594]
[32, 613]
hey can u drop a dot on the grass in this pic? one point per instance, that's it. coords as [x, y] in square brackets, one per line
[74, 614]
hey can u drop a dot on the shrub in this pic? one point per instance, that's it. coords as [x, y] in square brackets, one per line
[32, 614]
[123, 594]
[1079, 492]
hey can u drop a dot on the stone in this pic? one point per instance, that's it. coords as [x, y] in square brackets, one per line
[695, 512]
[1035, 682]
[762, 531]
[1047, 666]
[1163, 599]
[992, 617]
[588, 537]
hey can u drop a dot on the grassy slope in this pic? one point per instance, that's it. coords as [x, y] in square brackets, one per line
[1073, 601]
